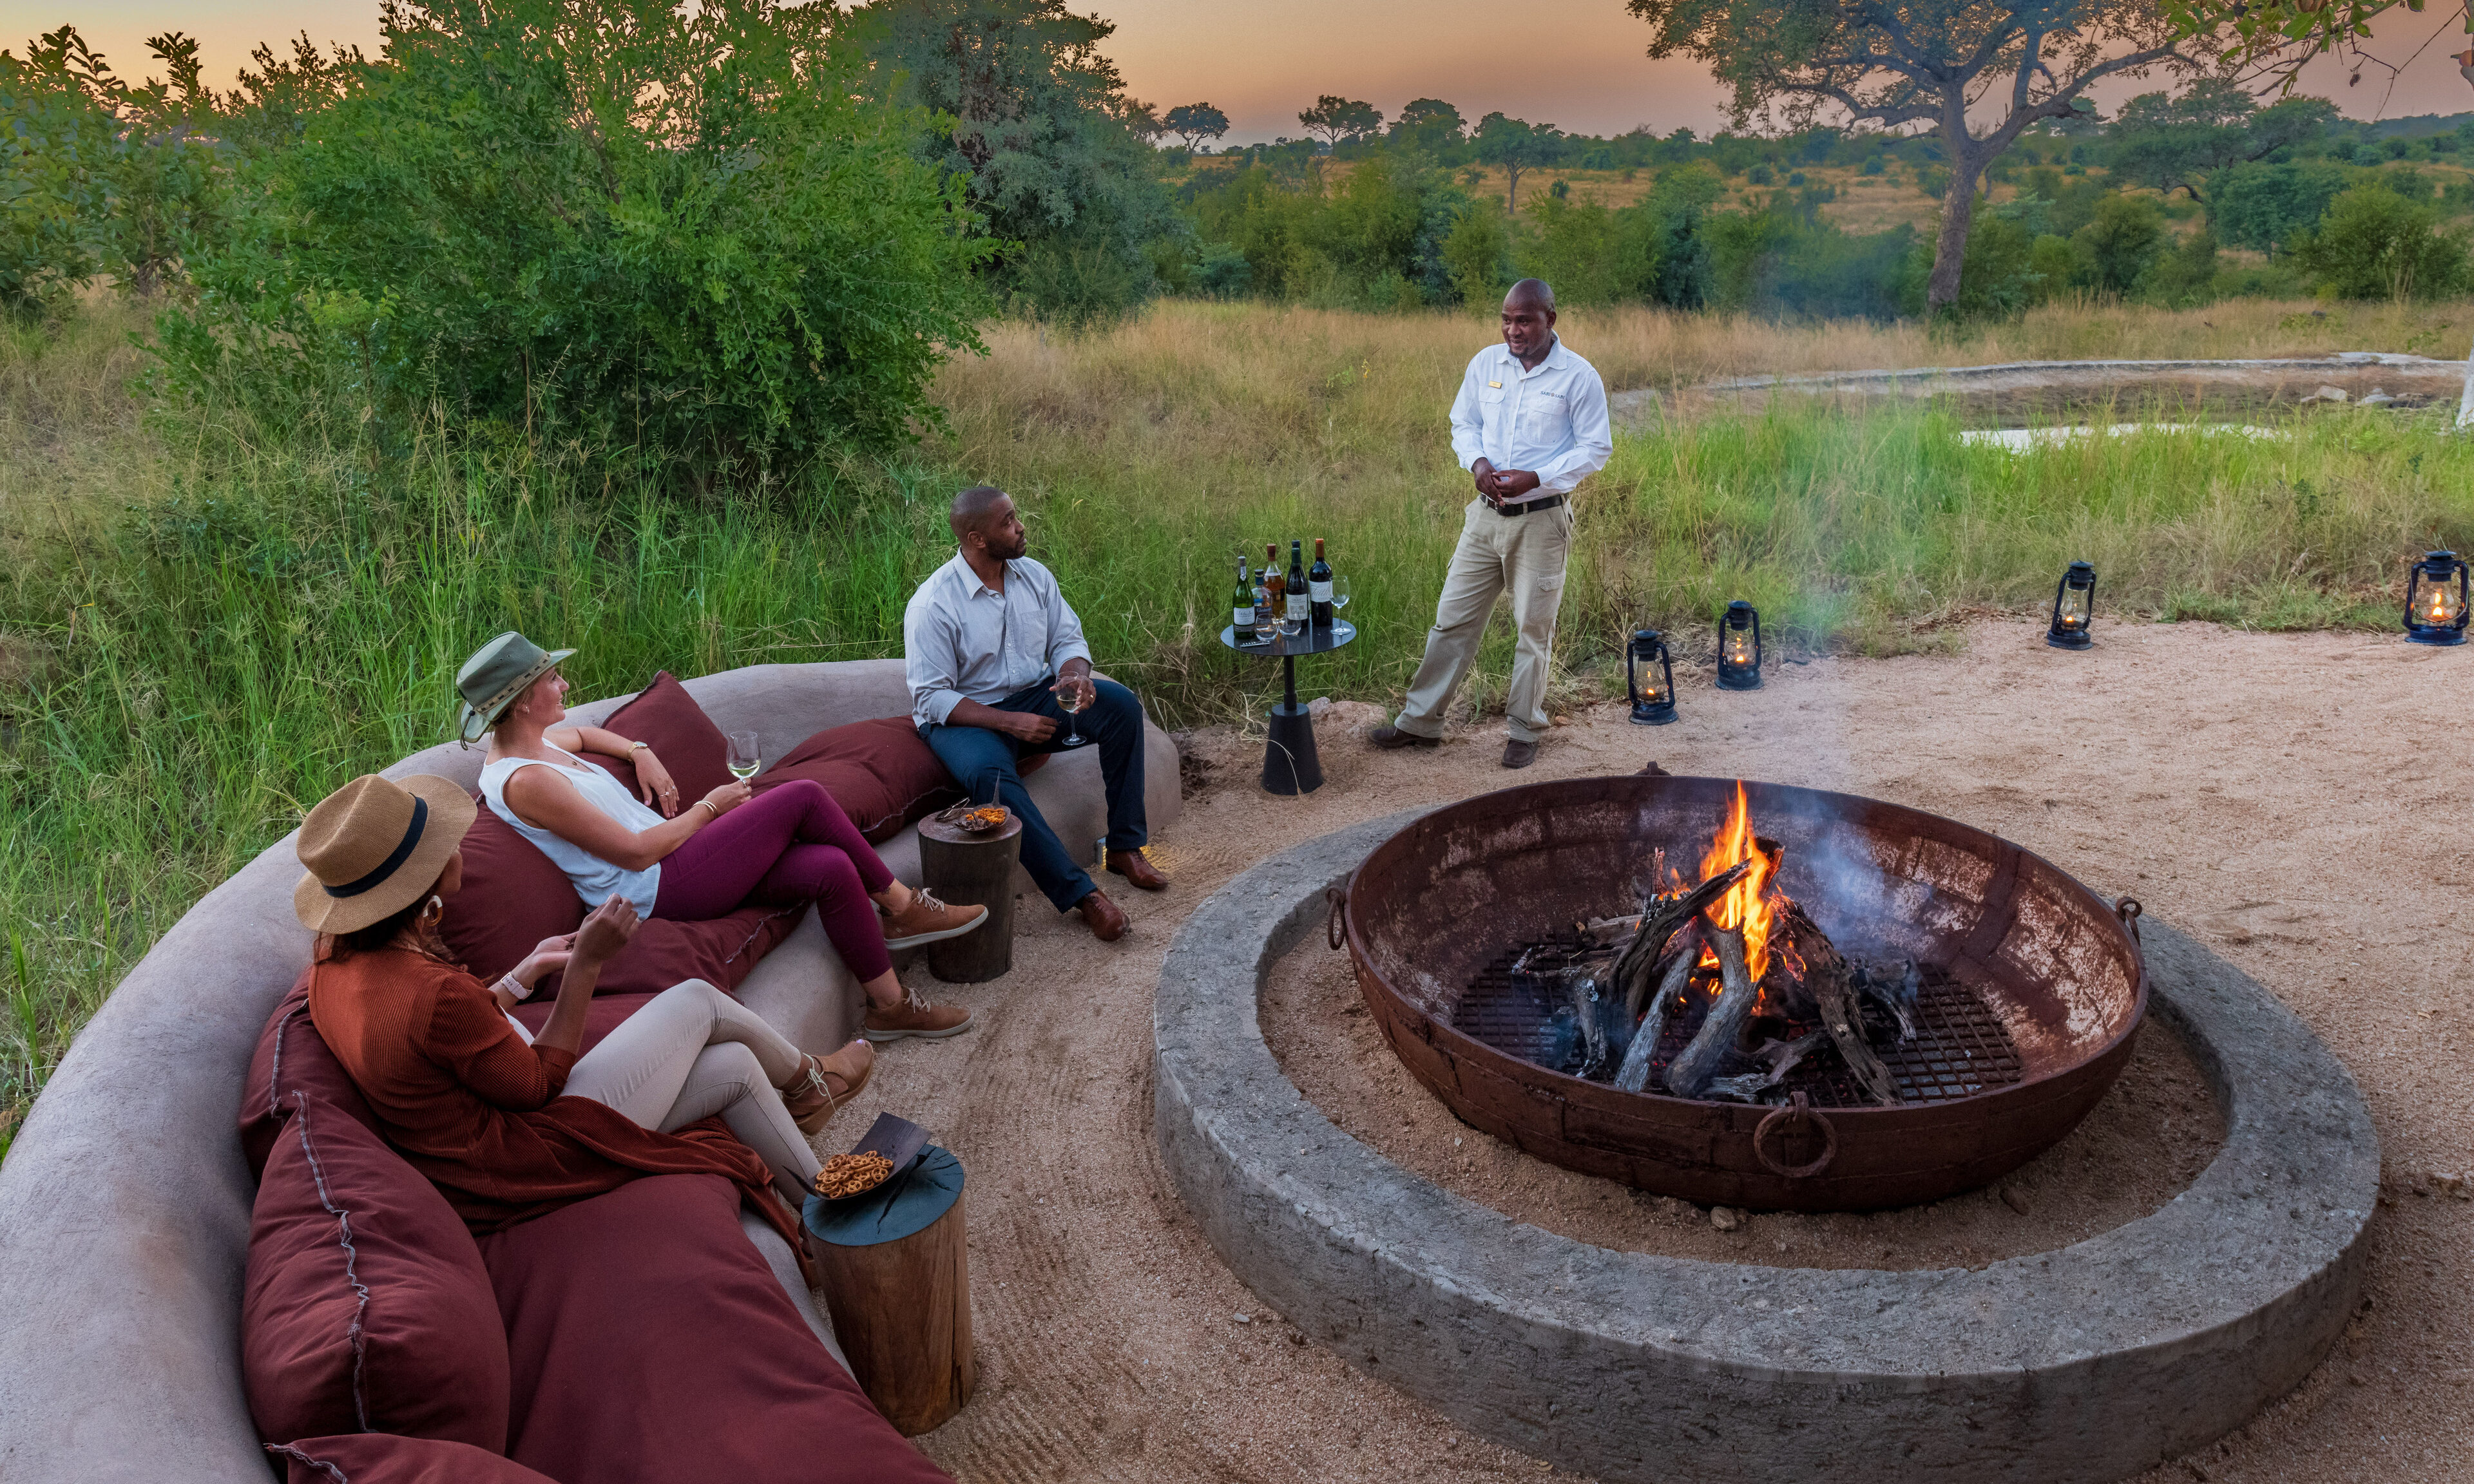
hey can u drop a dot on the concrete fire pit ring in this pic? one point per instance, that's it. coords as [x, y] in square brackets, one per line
[2089, 1362]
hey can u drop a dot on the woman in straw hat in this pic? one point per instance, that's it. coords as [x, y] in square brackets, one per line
[510, 1125]
[704, 860]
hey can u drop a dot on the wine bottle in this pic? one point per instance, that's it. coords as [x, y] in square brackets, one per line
[1241, 603]
[1300, 602]
[1275, 603]
[1318, 587]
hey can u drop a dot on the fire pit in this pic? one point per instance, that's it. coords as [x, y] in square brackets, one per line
[1903, 1007]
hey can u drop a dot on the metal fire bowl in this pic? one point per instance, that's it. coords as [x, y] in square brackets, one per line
[2056, 964]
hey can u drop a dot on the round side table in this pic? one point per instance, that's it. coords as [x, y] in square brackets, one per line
[972, 870]
[1289, 765]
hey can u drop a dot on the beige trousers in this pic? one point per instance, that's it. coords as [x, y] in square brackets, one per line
[1525, 554]
[692, 1052]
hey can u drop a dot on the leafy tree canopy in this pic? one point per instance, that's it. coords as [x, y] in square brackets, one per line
[1517, 145]
[1428, 123]
[1195, 122]
[1334, 118]
[2179, 143]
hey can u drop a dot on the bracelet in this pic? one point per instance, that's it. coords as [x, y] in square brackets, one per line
[708, 804]
[511, 985]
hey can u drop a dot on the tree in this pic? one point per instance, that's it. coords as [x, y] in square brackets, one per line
[678, 232]
[1892, 63]
[1050, 150]
[2375, 244]
[1429, 123]
[2180, 143]
[1516, 146]
[2126, 237]
[1334, 118]
[1196, 121]
[2263, 207]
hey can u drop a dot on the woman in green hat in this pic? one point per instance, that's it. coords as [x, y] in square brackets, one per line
[794, 845]
[506, 1123]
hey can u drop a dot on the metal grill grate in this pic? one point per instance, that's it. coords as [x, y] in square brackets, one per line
[1958, 1049]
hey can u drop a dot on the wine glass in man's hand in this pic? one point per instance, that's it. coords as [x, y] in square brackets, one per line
[1071, 696]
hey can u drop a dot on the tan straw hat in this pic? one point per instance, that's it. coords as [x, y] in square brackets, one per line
[496, 675]
[374, 848]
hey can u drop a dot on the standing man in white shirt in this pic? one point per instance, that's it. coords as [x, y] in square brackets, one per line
[1529, 425]
[988, 645]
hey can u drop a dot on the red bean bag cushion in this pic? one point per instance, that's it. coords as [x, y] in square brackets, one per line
[649, 1342]
[513, 898]
[880, 772]
[664, 716]
[381, 1458]
[365, 1308]
[291, 1061]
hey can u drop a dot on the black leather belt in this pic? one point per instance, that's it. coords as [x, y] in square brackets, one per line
[1548, 503]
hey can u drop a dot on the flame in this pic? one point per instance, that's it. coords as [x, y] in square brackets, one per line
[1747, 903]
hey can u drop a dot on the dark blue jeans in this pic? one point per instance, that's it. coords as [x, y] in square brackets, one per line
[982, 762]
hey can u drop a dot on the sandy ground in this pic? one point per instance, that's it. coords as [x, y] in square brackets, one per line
[2297, 802]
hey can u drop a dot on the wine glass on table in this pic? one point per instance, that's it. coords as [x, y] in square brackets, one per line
[1338, 594]
[1069, 699]
[745, 757]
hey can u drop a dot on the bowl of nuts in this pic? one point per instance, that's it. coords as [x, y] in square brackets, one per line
[976, 819]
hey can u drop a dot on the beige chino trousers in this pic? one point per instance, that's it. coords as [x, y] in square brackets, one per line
[1524, 554]
[692, 1052]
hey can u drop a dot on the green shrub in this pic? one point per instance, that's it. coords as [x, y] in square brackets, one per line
[1872, 166]
[2375, 244]
[2262, 206]
[677, 234]
[2125, 238]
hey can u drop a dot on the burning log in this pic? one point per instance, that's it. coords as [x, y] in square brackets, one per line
[1692, 1071]
[1834, 989]
[1659, 918]
[1892, 989]
[1634, 1075]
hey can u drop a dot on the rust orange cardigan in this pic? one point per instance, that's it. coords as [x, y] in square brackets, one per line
[472, 1107]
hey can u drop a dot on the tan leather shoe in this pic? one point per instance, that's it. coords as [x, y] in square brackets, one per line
[928, 920]
[913, 1016]
[1136, 867]
[823, 1085]
[1106, 919]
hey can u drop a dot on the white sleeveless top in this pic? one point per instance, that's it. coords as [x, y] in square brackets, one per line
[595, 878]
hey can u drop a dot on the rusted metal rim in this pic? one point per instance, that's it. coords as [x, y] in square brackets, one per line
[1711, 1152]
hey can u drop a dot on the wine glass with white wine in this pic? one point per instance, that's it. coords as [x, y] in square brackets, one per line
[745, 757]
[1069, 699]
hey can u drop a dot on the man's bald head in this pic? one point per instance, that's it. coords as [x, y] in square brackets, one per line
[1529, 321]
[1532, 292]
[985, 521]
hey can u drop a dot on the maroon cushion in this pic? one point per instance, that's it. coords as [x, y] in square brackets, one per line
[666, 717]
[383, 1458]
[880, 772]
[291, 1059]
[650, 1343]
[513, 898]
[365, 1308]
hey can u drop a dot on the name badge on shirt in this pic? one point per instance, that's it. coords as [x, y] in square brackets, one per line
[1496, 385]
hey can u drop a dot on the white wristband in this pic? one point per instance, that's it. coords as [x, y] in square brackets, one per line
[515, 986]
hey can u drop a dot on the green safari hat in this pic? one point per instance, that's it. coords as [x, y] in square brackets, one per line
[491, 680]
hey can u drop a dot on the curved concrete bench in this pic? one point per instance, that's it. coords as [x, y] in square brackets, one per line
[2086, 1363]
[125, 1204]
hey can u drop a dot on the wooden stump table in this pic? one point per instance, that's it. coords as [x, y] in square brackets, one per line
[972, 870]
[896, 1277]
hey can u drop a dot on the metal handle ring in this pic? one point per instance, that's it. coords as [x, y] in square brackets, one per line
[1800, 1111]
[1335, 924]
[2127, 909]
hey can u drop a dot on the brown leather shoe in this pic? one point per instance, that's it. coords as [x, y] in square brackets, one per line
[1518, 754]
[928, 920]
[1107, 919]
[812, 1097]
[913, 1016]
[1136, 867]
[1392, 738]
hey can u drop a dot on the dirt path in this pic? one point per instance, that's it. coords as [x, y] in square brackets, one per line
[2298, 801]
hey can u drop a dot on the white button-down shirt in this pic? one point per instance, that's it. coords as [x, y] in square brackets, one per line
[1551, 421]
[963, 640]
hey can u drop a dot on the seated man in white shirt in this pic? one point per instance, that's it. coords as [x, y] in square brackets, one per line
[990, 644]
[1530, 424]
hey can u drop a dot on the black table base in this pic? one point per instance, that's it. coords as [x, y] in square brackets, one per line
[1289, 763]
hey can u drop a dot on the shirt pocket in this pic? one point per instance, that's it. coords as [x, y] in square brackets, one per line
[1544, 415]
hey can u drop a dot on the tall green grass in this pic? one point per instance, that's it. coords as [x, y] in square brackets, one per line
[204, 628]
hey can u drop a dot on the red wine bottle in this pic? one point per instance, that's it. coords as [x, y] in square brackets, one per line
[1318, 587]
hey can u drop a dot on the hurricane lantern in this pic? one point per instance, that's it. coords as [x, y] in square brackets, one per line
[1649, 674]
[2434, 599]
[1739, 647]
[2074, 607]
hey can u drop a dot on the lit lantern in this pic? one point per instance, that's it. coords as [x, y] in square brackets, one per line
[2435, 600]
[1739, 648]
[2074, 608]
[1650, 676]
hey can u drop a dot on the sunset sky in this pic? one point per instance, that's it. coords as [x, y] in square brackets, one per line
[1575, 64]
